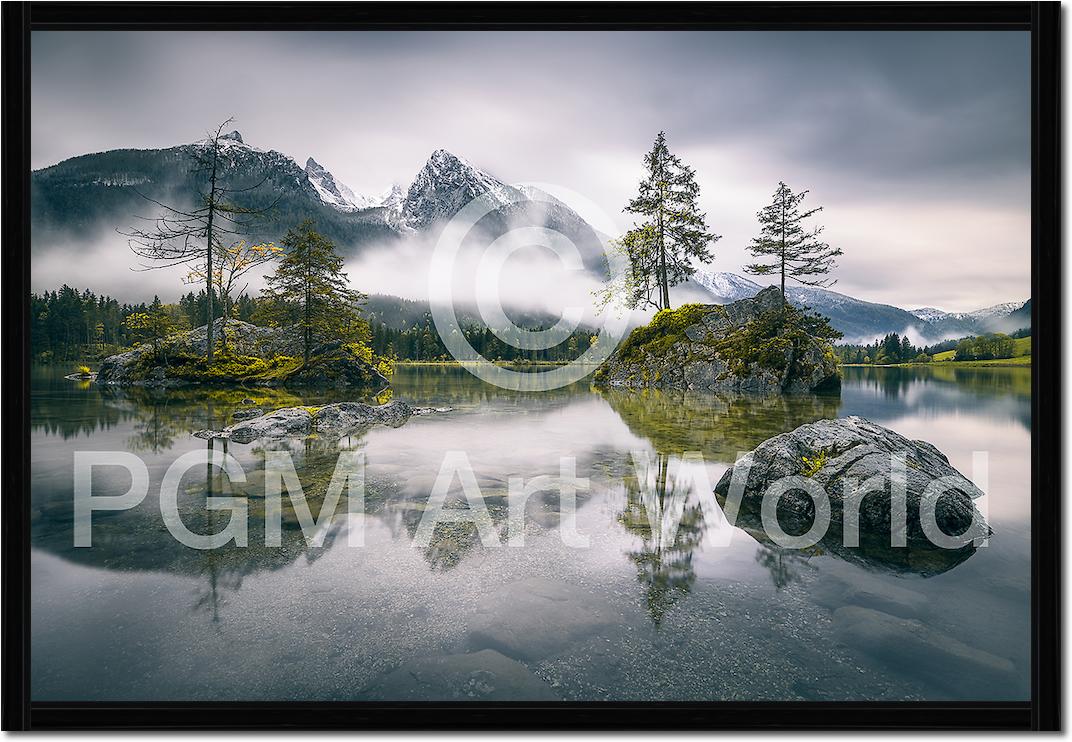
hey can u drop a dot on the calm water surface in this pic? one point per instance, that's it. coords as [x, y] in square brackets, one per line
[635, 615]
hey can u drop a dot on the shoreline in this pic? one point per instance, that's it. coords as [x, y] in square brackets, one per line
[1017, 362]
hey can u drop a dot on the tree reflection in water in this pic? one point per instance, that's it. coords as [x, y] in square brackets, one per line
[659, 511]
[784, 566]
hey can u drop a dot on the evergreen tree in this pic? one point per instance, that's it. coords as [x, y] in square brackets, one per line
[789, 248]
[673, 233]
[309, 290]
[154, 324]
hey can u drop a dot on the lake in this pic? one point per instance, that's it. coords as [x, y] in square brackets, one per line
[634, 615]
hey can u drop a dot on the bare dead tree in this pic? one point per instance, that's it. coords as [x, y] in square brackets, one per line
[191, 236]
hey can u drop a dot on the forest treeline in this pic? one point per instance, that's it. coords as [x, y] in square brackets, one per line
[70, 324]
[895, 348]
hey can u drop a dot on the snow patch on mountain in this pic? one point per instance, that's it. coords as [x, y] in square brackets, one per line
[232, 140]
[929, 314]
[997, 311]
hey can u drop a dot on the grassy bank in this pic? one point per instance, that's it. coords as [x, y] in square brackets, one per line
[1021, 357]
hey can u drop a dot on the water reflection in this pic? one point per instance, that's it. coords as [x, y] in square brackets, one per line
[888, 393]
[660, 509]
[874, 553]
[785, 567]
[674, 609]
[716, 425]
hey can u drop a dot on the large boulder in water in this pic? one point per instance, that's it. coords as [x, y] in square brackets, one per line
[840, 454]
[739, 347]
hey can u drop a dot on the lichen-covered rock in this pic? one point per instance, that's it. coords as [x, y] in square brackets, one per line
[710, 347]
[852, 450]
[263, 356]
[296, 422]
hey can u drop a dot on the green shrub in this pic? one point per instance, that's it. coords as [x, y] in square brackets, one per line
[812, 465]
[232, 368]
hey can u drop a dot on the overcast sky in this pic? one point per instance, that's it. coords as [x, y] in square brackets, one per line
[916, 144]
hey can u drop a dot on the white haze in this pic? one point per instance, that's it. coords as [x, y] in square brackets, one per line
[533, 279]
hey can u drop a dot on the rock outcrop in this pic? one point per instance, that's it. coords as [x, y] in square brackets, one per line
[255, 355]
[731, 348]
[840, 454]
[341, 418]
[333, 419]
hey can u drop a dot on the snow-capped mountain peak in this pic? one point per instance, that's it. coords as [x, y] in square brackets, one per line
[444, 185]
[231, 141]
[333, 192]
[393, 198]
[727, 286]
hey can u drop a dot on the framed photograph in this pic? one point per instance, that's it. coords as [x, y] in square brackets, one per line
[531, 366]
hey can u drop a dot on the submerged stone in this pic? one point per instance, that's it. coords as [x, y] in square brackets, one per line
[478, 676]
[537, 618]
[916, 650]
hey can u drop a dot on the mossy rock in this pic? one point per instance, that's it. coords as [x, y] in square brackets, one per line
[752, 345]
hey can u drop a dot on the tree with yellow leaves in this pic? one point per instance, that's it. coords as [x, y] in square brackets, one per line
[232, 263]
[190, 235]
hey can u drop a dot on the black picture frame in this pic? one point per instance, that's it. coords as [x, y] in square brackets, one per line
[1041, 19]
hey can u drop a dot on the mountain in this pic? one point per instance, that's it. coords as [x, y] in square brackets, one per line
[393, 198]
[930, 314]
[332, 192]
[1020, 318]
[863, 321]
[726, 287]
[97, 194]
[447, 182]
[91, 196]
[1005, 317]
[444, 185]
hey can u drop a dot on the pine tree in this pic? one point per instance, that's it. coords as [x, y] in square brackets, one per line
[793, 251]
[673, 233]
[309, 290]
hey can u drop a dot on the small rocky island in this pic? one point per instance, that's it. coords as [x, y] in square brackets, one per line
[752, 345]
[251, 355]
[340, 418]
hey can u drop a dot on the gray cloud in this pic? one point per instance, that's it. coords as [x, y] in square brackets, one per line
[917, 144]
